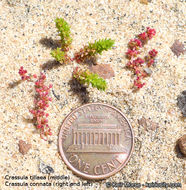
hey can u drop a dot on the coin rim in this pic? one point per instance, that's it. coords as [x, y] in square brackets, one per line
[73, 169]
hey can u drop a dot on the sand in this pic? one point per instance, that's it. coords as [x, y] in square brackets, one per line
[24, 24]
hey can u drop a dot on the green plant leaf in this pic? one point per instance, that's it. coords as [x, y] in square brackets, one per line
[58, 54]
[101, 45]
[64, 31]
[86, 77]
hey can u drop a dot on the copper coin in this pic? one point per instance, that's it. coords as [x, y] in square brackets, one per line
[96, 141]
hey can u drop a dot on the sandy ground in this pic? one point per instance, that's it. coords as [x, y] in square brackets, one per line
[23, 24]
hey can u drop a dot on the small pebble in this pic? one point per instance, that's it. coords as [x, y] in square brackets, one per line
[103, 70]
[182, 144]
[177, 48]
[45, 169]
[148, 71]
[148, 124]
[145, 2]
[24, 147]
[182, 102]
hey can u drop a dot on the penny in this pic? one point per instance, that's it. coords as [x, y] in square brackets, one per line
[96, 141]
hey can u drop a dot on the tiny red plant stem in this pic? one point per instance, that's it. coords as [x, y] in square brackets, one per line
[137, 64]
[41, 102]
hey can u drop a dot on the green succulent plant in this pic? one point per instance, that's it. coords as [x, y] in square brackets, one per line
[63, 29]
[93, 49]
[99, 46]
[58, 54]
[87, 77]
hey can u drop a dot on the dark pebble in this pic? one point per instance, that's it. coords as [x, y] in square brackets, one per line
[182, 144]
[45, 169]
[182, 102]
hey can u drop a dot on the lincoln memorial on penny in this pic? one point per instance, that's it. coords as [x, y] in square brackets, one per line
[96, 138]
